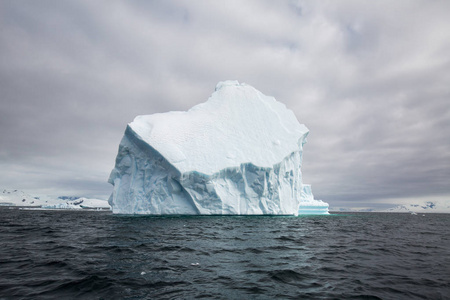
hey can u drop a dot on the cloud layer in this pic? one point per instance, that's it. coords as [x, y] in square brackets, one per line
[370, 80]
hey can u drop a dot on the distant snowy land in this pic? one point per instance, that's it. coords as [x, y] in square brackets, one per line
[22, 199]
[18, 198]
[436, 206]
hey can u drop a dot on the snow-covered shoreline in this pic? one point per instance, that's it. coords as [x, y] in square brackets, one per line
[440, 206]
[437, 206]
[21, 199]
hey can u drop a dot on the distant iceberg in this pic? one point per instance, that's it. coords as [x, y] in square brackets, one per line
[239, 153]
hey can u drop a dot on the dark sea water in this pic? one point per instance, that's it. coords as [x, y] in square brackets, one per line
[97, 255]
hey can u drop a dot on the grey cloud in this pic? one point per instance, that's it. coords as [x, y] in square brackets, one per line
[369, 80]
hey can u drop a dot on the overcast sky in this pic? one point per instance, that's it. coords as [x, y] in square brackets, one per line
[370, 79]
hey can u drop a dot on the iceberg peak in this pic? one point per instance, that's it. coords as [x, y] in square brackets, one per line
[226, 83]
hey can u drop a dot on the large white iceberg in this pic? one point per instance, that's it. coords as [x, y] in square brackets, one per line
[239, 153]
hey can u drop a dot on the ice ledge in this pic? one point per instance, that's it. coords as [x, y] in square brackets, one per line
[309, 205]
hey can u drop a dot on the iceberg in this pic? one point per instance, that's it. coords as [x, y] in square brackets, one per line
[238, 153]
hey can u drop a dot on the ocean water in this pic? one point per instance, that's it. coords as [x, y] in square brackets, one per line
[97, 255]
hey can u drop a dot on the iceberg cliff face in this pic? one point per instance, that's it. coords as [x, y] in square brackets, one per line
[238, 153]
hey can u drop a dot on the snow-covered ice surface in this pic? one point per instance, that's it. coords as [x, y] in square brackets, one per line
[238, 153]
[309, 205]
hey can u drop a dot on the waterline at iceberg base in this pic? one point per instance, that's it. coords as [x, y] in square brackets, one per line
[239, 153]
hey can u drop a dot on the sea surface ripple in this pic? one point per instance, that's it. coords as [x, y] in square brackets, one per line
[97, 255]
